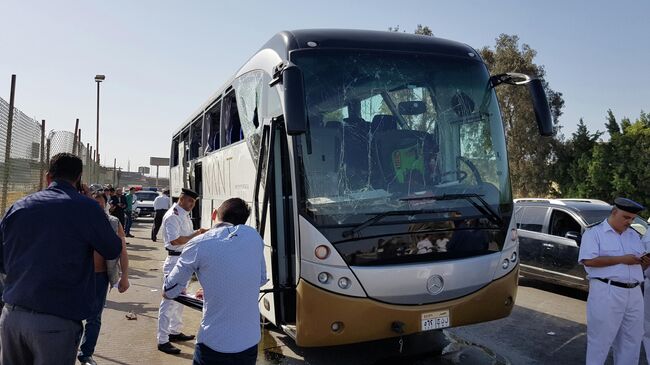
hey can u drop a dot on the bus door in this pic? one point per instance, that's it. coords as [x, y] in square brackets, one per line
[274, 220]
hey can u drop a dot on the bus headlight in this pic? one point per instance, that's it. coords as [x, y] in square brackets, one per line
[323, 277]
[322, 252]
[513, 257]
[344, 283]
[505, 264]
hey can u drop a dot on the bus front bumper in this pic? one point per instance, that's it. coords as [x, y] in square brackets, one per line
[364, 319]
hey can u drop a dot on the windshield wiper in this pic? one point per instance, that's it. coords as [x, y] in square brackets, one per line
[376, 218]
[484, 208]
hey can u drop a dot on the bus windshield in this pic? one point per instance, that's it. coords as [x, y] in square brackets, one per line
[396, 131]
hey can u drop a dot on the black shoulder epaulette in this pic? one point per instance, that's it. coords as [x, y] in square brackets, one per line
[594, 224]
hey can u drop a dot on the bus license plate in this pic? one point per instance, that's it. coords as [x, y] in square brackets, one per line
[435, 320]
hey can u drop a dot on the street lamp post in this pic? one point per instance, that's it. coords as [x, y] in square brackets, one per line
[98, 80]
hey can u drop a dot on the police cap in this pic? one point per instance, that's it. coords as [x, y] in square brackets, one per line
[191, 193]
[628, 205]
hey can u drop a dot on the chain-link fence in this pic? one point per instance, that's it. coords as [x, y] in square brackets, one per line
[64, 141]
[22, 170]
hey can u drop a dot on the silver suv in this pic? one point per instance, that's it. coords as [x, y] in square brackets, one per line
[550, 231]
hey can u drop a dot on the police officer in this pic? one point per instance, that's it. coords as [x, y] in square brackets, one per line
[177, 231]
[611, 253]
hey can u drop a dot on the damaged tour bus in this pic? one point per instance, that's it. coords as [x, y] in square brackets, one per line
[376, 167]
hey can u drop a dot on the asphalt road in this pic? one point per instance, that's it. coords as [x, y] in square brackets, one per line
[547, 326]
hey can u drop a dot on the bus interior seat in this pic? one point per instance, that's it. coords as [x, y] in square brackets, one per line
[356, 149]
[212, 120]
[401, 159]
[358, 125]
[195, 144]
[233, 128]
[383, 122]
[333, 124]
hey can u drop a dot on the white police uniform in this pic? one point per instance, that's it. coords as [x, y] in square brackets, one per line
[614, 313]
[646, 300]
[176, 223]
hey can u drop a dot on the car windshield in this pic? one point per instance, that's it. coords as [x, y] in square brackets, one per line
[393, 131]
[146, 196]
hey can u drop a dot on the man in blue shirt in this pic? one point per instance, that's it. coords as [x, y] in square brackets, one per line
[50, 281]
[229, 262]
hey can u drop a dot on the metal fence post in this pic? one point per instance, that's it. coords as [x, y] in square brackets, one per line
[79, 144]
[47, 153]
[42, 174]
[74, 140]
[5, 182]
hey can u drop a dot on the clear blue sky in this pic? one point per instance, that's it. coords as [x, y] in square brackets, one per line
[162, 59]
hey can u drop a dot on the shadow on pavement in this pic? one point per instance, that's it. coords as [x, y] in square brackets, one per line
[139, 274]
[554, 288]
[434, 347]
[139, 308]
[138, 247]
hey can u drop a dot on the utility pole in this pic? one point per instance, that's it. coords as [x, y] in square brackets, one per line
[98, 80]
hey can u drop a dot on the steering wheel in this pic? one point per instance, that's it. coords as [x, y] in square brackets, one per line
[472, 167]
[460, 175]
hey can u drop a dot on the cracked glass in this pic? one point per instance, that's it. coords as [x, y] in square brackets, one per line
[390, 132]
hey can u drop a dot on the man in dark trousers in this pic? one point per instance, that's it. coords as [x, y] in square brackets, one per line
[161, 205]
[118, 206]
[50, 281]
[229, 262]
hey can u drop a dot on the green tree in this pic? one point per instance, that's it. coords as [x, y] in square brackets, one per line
[423, 30]
[420, 29]
[531, 156]
[612, 125]
[619, 167]
[631, 152]
[571, 170]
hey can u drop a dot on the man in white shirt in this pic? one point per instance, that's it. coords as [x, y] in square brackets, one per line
[177, 231]
[229, 262]
[160, 206]
[612, 254]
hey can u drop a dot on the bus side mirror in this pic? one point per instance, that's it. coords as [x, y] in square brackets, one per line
[540, 106]
[295, 108]
[537, 93]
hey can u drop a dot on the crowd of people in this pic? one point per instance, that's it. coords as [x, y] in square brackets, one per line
[56, 277]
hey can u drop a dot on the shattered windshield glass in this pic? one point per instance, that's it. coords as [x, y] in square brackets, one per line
[392, 131]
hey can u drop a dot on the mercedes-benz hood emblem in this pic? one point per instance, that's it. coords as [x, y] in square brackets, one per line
[435, 284]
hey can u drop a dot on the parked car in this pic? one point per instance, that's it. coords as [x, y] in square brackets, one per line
[143, 206]
[95, 187]
[550, 231]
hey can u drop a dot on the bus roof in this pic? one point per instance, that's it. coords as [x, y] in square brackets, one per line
[286, 41]
[365, 39]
